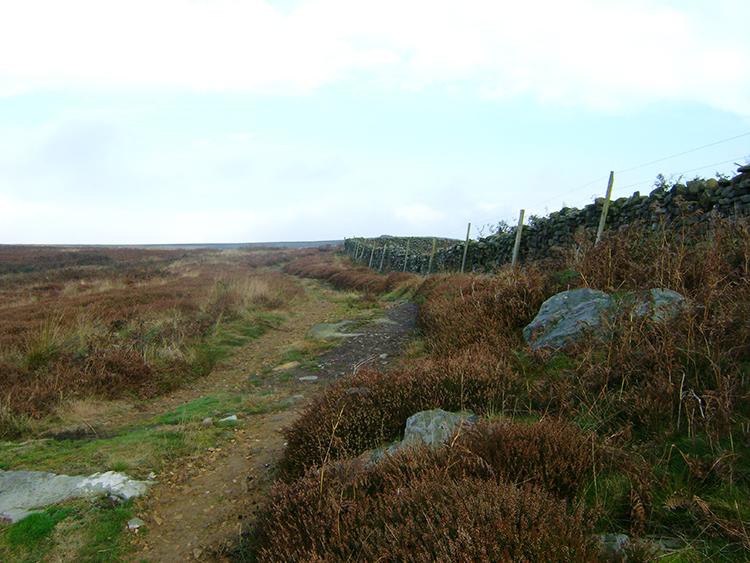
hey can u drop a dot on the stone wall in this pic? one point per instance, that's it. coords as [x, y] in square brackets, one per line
[682, 204]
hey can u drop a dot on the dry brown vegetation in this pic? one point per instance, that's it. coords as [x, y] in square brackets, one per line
[114, 322]
[645, 433]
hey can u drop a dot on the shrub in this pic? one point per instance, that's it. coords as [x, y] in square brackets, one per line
[459, 311]
[370, 408]
[424, 504]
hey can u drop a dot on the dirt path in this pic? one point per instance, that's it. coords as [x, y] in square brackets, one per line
[202, 504]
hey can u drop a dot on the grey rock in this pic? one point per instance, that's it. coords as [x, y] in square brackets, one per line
[426, 428]
[435, 426]
[135, 523]
[613, 542]
[567, 317]
[570, 316]
[660, 304]
[21, 492]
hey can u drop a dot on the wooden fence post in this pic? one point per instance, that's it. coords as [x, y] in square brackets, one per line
[517, 246]
[466, 249]
[603, 218]
[382, 257]
[432, 255]
[372, 254]
[406, 254]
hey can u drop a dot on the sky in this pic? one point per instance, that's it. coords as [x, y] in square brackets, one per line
[231, 121]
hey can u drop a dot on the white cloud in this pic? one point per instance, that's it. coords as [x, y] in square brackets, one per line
[604, 53]
[418, 214]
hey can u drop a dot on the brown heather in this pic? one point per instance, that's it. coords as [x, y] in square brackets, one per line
[112, 322]
[443, 504]
[343, 275]
[648, 427]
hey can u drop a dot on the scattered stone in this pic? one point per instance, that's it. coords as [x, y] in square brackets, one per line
[309, 378]
[134, 524]
[208, 421]
[232, 418]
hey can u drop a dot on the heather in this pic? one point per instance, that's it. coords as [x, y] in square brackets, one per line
[642, 433]
[109, 323]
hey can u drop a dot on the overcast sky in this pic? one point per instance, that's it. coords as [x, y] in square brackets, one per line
[171, 121]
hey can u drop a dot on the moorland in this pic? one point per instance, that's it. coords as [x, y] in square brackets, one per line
[639, 439]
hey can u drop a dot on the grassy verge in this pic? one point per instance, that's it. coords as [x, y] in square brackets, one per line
[89, 532]
[142, 448]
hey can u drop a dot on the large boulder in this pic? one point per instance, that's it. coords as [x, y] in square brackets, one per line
[567, 317]
[570, 316]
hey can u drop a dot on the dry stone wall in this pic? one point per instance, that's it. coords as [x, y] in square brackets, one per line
[694, 202]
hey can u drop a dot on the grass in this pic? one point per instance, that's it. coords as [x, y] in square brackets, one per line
[143, 327]
[141, 448]
[31, 531]
[90, 532]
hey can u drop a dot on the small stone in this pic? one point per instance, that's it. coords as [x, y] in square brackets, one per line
[232, 418]
[208, 421]
[135, 523]
[309, 378]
